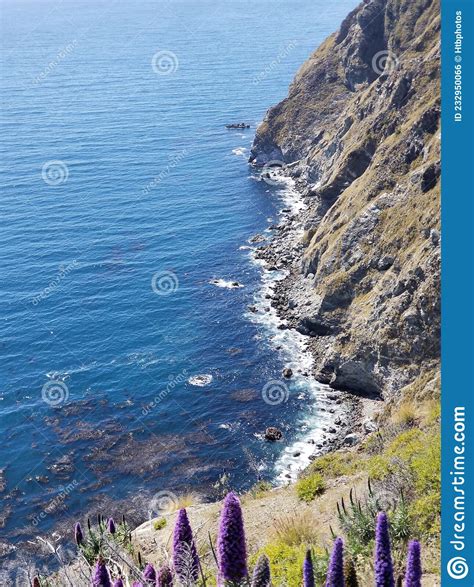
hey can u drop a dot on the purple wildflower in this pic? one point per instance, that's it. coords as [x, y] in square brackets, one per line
[308, 571]
[78, 535]
[101, 576]
[111, 526]
[149, 574]
[413, 571]
[164, 577]
[137, 584]
[118, 582]
[185, 558]
[335, 577]
[383, 556]
[231, 548]
[261, 572]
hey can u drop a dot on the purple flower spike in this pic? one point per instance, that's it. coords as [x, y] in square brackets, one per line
[111, 526]
[149, 574]
[413, 572]
[232, 553]
[137, 584]
[101, 576]
[185, 558]
[78, 535]
[308, 571]
[164, 577]
[383, 556]
[118, 582]
[261, 573]
[335, 576]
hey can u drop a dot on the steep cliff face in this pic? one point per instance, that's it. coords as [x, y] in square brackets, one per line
[359, 131]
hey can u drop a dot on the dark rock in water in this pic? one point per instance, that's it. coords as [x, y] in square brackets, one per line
[287, 373]
[257, 238]
[296, 454]
[238, 125]
[272, 433]
[252, 309]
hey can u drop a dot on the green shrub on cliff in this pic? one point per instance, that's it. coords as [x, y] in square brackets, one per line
[309, 487]
[286, 563]
[413, 459]
[335, 464]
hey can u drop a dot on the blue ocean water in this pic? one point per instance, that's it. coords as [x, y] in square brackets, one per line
[123, 197]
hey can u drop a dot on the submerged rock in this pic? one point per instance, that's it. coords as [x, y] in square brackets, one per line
[272, 434]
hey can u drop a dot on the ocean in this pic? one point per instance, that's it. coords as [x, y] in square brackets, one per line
[132, 369]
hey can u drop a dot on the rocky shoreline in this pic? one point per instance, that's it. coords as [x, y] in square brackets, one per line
[346, 417]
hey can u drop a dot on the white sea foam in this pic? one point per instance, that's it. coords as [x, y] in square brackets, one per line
[200, 380]
[226, 284]
[240, 151]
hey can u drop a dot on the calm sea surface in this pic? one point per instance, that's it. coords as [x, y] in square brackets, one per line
[123, 198]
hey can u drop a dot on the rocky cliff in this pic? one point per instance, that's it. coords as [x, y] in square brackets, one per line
[359, 133]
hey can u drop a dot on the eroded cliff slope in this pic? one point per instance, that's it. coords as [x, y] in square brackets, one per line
[360, 133]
